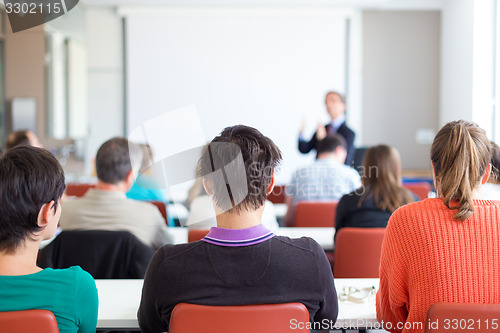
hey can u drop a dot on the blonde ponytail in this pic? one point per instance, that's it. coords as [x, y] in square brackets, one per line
[460, 155]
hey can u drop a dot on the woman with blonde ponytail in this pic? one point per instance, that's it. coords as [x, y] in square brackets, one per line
[445, 249]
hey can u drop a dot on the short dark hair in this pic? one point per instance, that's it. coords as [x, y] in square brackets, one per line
[239, 164]
[330, 143]
[29, 178]
[114, 161]
[17, 138]
[495, 163]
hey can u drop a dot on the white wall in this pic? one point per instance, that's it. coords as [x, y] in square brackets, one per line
[401, 81]
[105, 78]
[456, 60]
[263, 68]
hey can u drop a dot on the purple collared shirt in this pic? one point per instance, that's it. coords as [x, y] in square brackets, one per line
[238, 237]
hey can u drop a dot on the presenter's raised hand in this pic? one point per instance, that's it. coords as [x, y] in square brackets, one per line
[321, 132]
[302, 126]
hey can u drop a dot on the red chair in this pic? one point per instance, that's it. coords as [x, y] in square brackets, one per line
[277, 196]
[357, 252]
[161, 207]
[197, 234]
[315, 214]
[462, 317]
[265, 318]
[78, 190]
[28, 321]
[421, 190]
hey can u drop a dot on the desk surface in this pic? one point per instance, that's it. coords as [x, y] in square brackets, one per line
[119, 301]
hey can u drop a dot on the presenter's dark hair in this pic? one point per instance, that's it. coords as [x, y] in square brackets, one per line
[17, 138]
[238, 165]
[115, 158]
[29, 178]
[330, 143]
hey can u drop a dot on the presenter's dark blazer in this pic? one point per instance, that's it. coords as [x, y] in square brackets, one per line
[347, 133]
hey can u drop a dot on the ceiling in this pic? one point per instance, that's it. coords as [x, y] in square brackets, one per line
[376, 4]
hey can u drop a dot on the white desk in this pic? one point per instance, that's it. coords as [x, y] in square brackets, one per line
[324, 236]
[119, 301]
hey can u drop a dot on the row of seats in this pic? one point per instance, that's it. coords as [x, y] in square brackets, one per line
[79, 190]
[420, 189]
[350, 259]
[307, 214]
[272, 318]
[120, 255]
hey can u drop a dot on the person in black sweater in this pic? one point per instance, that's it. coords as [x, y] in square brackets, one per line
[240, 261]
[381, 194]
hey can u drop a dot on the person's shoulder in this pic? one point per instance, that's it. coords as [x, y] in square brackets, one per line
[73, 273]
[406, 215]
[142, 206]
[349, 170]
[352, 197]
[345, 129]
[72, 203]
[300, 244]
[171, 251]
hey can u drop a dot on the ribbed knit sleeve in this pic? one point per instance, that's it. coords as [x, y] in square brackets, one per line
[392, 297]
[428, 257]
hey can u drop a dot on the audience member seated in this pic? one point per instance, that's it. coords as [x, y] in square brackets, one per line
[106, 207]
[335, 107]
[491, 190]
[326, 179]
[371, 205]
[145, 187]
[31, 186]
[446, 249]
[202, 212]
[22, 138]
[240, 261]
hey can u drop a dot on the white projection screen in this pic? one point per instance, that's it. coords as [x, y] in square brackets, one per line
[269, 69]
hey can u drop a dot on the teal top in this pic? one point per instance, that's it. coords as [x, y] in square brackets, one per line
[70, 294]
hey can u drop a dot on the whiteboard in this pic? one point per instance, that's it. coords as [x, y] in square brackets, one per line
[268, 69]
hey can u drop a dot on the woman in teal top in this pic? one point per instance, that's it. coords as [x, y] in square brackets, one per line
[31, 186]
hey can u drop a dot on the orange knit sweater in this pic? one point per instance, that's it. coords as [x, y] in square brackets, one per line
[428, 257]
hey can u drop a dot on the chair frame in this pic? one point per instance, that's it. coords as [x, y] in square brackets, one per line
[28, 321]
[462, 317]
[262, 318]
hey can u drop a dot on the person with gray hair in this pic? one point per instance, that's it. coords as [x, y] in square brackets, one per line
[106, 207]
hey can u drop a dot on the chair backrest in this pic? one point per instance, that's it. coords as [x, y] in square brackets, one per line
[197, 234]
[277, 196]
[77, 189]
[357, 252]
[265, 318]
[461, 317]
[161, 207]
[420, 189]
[315, 214]
[104, 254]
[28, 321]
